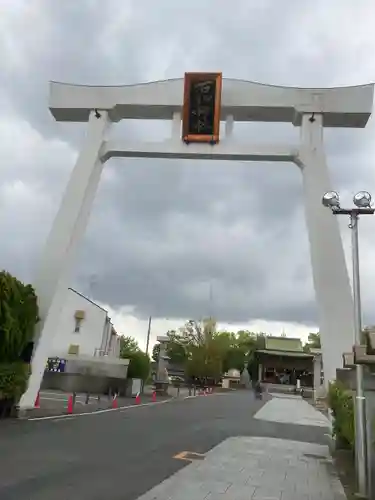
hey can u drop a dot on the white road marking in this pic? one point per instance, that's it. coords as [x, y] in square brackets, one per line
[78, 402]
[61, 419]
[44, 398]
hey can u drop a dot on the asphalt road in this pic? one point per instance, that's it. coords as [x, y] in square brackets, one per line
[120, 455]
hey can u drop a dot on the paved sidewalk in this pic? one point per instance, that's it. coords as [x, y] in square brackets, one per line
[292, 410]
[258, 468]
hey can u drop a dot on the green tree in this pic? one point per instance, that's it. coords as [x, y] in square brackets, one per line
[175, 351]
[128, 345]
[313, 342]
[203, 346]
[139, 366]
[156, 352]
[206, 352]
[204, 362]
[240, 347]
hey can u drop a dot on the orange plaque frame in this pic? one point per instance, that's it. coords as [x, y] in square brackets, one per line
[193, 78]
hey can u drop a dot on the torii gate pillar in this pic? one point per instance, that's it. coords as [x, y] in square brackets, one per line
[310, 109]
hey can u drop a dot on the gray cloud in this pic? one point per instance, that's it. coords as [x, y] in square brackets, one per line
[161, 231]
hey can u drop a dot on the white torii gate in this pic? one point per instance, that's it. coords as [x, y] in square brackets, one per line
[309, 109]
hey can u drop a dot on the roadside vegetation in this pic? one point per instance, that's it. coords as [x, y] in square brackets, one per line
[18, 318]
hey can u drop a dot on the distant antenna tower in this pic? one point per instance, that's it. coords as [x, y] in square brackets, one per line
[210, 305]
[93, 281]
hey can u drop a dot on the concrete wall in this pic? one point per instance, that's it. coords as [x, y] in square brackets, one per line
[105, 366]
[114, 346]
[96, 375]
[91, 330]
[80, 383]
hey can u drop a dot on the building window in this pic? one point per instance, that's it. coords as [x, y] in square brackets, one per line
[73, 349]
[79, 316]
[77, 326]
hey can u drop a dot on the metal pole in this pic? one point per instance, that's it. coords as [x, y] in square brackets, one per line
[147, 347]
[360, 437]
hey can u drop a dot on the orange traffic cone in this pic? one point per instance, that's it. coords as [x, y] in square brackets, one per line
[70, 405]
[114, 401]
[37, 401]
[154, 397]
[138, 399]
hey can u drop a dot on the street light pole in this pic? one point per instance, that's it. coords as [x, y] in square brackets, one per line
[362, 202]
[360, 438]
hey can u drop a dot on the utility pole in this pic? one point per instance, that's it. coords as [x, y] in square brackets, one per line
[148, 335]
[147, 347]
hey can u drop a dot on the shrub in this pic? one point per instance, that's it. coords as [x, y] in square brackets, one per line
[340, 401]
[18, 317]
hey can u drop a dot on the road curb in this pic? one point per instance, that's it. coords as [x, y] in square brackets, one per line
[120, 409]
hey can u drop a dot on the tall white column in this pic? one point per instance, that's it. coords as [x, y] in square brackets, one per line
[317, 370]
[330, 275]
[57, 261]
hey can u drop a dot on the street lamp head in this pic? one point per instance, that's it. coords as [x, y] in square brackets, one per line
[362, 199]
[331, 200]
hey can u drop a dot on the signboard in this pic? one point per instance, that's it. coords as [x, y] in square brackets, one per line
[201, 108]
[55, 365]
[136, 386]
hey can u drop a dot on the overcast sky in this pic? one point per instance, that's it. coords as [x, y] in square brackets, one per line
[162, 233]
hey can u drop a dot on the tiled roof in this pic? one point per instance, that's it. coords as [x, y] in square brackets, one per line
[289, 354]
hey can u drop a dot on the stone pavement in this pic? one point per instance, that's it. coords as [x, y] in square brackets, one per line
[258, 468]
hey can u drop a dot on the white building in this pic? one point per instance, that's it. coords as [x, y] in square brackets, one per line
[84, 329]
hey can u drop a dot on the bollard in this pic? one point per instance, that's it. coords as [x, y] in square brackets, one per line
[70, 405]
[87, 398]
[178, 391]
[74, 398]
[37, 401]
[189, 391]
